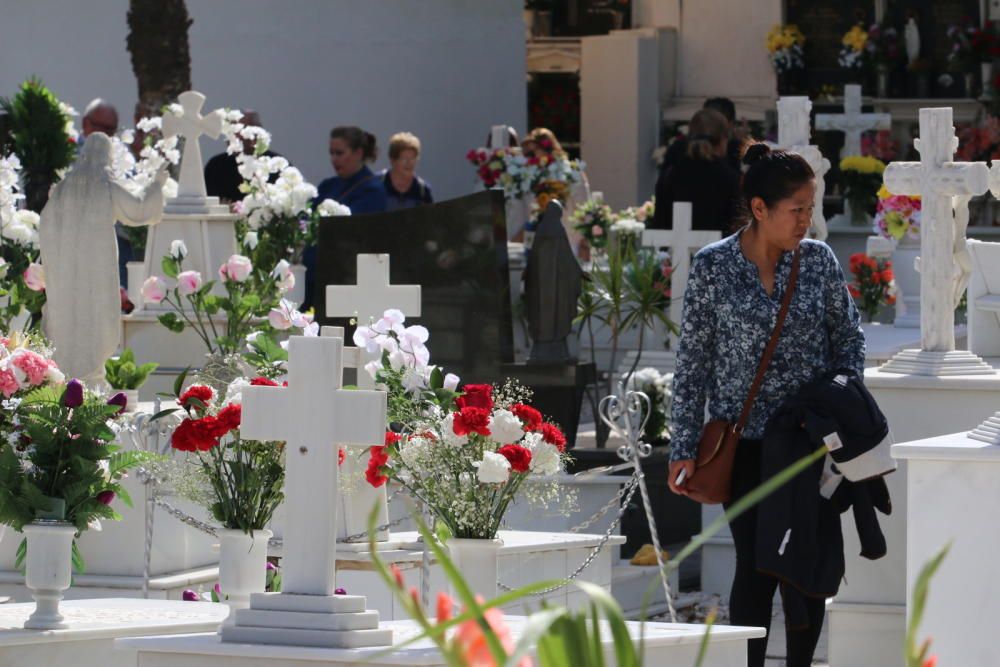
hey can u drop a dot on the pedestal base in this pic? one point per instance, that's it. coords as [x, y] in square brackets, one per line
[338, 621]
[988, 431]
[937, 364]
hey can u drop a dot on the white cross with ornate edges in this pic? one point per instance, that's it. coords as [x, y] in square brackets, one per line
[313, 415]
[937, 179]
[191, 125]
[793, 136]
[682, 241]
[852, 122]
[369, 298]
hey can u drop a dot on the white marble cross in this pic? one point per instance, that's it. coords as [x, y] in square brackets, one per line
[369, 298]
[852, 122]
[191, 125]
[793, 136]
[682, 241]
[937, 180]
[313, 415]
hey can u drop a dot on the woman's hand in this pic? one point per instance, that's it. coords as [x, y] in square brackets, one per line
[675, 469]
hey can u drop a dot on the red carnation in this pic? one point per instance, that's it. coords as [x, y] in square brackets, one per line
[229, 418]
[199, 392]
[391, 438]
[195, 435]
[854, 291]
[471, 420]
[263, 382]
[531, 417]
[476, 396]
[377, 458]
[518, 456]
[552, 435]
[341, 455]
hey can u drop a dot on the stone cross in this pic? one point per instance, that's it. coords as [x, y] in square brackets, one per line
[313, 415]
[191, 125]
[682, 241]
[369, 298]
[852, 122]
[938, 181]
[793, 136]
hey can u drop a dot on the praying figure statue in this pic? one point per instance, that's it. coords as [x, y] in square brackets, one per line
[82, 315]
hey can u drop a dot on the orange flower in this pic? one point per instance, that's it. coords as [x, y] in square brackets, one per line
[471, 641]
[445, 605]
[397, 575]
[853, 289]
[890, 300]
[887, 274]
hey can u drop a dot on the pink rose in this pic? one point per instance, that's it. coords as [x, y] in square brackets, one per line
[32, 364]
[237, 268]
[188, 282]
[8, 383]
[154, 290]
[597, 230]
[34, 277]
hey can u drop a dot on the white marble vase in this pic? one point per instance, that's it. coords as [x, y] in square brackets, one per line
[48, 572]
[242, 567]
[478, 561]
[298, 293]
[904, 259]
[131, 399]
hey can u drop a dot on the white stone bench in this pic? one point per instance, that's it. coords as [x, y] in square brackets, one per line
[984, 299]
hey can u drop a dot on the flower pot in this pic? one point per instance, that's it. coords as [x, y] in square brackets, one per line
[478, 561]
[986, 78]
[298, 292]
[131, 399]
[242, 567]
[48, 570]
[904, 258]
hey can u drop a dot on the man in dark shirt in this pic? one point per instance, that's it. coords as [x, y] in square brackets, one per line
[222, 177]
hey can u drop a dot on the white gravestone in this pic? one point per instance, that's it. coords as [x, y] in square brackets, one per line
[681, 241]
[313, 415]
[984, 299]
[78, 250]
[938, 181]
[191, 194]
[367, 300]
[793, 136]
[852, 122]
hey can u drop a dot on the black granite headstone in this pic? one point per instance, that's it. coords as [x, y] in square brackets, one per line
[457, 252]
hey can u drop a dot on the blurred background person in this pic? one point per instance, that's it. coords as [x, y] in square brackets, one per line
[403, 187]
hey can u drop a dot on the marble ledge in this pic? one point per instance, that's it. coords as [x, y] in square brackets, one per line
[951, 447]
[419, 653]
[186, 578]
[874, 378]
[406, 545]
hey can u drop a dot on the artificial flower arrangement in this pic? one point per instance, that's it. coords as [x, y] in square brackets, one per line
[883, 48]
[21, 277]
[251, 295]
[593, 219]
[656, 386]
[874, 283]
[880, 144]
[542, 176]
[897, 216]
[862, 178]
[852, 49]
[785, 47]
[466, 455]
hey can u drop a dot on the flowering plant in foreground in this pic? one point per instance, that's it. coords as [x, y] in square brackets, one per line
[593, 219]
[19, 249]
[243, 478]
[465, 455]
[874, 283]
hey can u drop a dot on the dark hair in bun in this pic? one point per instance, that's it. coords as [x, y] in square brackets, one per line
[357, 139]
[772, 175]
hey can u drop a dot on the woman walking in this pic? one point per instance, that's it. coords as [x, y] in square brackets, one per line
[731, 305]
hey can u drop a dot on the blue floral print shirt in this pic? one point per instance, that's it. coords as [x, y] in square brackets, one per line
[728, 319]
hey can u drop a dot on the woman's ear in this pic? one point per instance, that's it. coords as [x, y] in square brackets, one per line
[758, 208]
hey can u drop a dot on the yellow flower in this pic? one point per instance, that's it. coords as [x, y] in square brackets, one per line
[856, 38]
[783, 37]
[883, 192]
[896, 225]
[862, 164]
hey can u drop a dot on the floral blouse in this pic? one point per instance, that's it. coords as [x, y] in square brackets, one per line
[727, 322]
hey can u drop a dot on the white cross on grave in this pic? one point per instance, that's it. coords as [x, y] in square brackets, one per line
[682, 241]
[191, 195]
[852, 122]
[793, 136]
[937, 180]
[313, 415]
[367, 300]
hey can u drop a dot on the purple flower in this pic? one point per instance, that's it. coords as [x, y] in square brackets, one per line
[105, 497]
[340, 591]
[217, 588]
[190, 596]
[271, 566]
[119, 400]
[73, 396]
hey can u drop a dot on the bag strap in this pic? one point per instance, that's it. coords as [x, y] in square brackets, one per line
[765, 361]
[343, 195]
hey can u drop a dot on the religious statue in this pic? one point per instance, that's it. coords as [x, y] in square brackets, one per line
[82, 315]
[552, 284]
[960, 252]
[911, 36]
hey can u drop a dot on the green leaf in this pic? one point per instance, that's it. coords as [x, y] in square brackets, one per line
[163, 413]
[436, 380]
[179, 382]
[171, 321]
[170, 266]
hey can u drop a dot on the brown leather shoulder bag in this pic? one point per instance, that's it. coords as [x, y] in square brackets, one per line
[711, 484]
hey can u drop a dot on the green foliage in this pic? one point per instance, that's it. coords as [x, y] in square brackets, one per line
[37, 125]
[916, 656]
[122, 372]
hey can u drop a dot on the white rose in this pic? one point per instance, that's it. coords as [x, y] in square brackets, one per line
[451, 382]
[177, 249]
[505, 427]
[26, 217]
[20, 233]
[493, 469]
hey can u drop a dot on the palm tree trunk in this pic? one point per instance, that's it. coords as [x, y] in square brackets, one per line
[161, 57]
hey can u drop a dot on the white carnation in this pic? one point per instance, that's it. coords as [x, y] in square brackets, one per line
[234, 392]
[545, 458]
[493, 469]
[505, 427]
[448, 432]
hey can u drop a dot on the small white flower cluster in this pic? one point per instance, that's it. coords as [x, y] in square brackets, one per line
[628, 227]
[407, 349]
[136, 175]
[657, 386]
[10, 170]
[69, 113]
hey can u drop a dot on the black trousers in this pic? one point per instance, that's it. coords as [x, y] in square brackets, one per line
[753, 592]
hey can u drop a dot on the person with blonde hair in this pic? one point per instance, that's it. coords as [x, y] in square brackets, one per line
[541, 142]
[403, 188]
